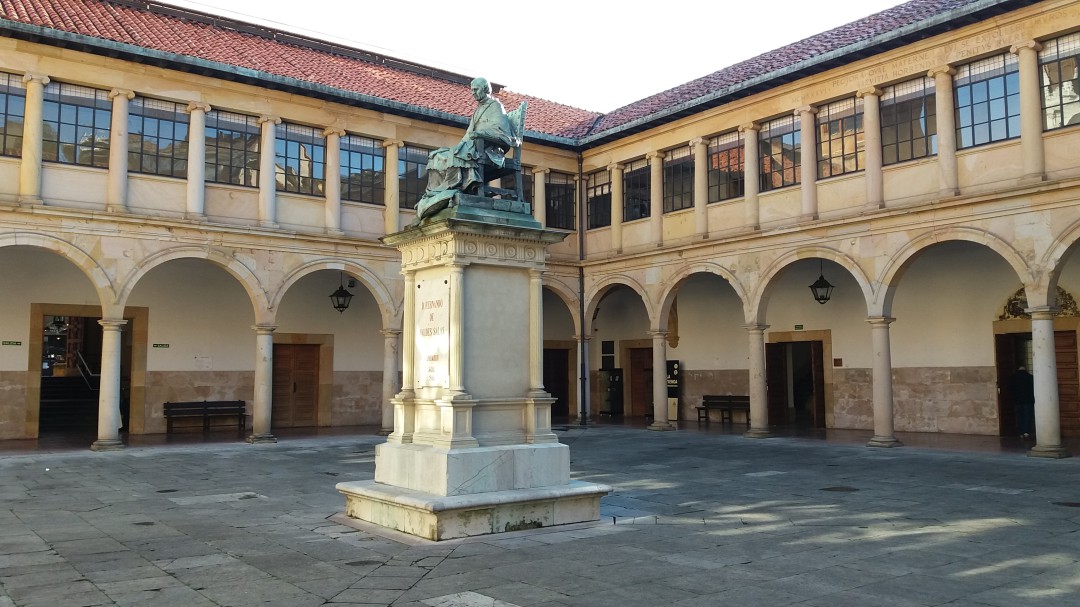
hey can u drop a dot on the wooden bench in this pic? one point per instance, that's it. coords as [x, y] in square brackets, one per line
[726, 404]
[206, 410]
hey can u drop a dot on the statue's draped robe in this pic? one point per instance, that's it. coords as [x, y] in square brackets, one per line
[452, 170]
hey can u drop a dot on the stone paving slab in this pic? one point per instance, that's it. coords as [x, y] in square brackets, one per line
[695, 519]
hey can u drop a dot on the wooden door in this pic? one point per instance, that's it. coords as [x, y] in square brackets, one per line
[296, 386]
[817, 364]
[641, 381]
[776, 383]
[1068, 377]
[1005, 348]
[557, 380]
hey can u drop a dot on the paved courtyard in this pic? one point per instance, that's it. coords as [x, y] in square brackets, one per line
[696, 519]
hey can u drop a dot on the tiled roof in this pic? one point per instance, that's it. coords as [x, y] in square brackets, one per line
[230, 44]
[862, 30]
[209, 39]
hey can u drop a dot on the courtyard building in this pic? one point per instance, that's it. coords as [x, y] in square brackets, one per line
[180, 193]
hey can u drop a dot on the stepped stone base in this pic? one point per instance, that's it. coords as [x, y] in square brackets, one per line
[438, 518]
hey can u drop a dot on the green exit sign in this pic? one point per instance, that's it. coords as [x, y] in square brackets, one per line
[12, 343]
[161, 345]
[798, 327]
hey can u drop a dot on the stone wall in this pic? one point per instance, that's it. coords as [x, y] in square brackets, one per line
[699, 382]
[356, 398]
[13, 399]
[960, 400]
[853, 400]
[172, 386]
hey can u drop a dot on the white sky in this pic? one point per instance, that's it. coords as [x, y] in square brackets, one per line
[593, 54]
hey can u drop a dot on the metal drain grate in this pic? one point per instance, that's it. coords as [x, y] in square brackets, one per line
[840, 489]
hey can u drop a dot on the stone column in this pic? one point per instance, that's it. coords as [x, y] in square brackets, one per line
[701, 187]
[332, 208]
[404, 407]
[751, 174]
[759, 400]
[264, 385]
[1031, 111]
[808, 160]
[1044, 361]
[391, 347]
[616, 205]
[659, 374]
[583, 381]
[109, 421]
[117, 186]
[536, 331]
[196, 166]
[875, 187]
[268, 173]
[948, 180]
[656, 197]
[539, 200]
[391, 193]
[33, 129]
[883, 392]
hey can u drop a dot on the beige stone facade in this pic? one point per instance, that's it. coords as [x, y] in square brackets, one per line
[924, 253]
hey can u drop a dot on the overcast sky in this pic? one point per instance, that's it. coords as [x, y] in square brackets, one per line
[593, 54]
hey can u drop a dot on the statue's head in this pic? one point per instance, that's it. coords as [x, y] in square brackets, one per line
[481, 88]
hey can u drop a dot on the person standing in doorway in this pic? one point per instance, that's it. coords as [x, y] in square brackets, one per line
[1023, 391]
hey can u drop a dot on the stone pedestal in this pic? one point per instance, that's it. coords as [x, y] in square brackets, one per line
[472, 451]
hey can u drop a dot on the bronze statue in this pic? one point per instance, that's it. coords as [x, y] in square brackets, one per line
[457, 169]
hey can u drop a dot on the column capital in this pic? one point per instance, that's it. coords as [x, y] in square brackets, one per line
[654, 155]
[1027, 44]
[390, 333]
[264, 329]
[805, 109]
[615, 166]
[696, 141]
[122, 93]
[198, 106]
[333, 130]
[536, 273]
[583, 338]
[658, 334]
[1043, 312]
[35, 77]
[540, 170]
[112, 324]
[868, 91]
[880, 321]
[941, 69]
[754, 328]
[749, 126]
[386, 143]
[269, 118]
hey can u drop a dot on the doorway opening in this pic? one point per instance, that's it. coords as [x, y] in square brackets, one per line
[1013, 350]
[557, 382]
[795, 379]
[640, 382]
[295, 399]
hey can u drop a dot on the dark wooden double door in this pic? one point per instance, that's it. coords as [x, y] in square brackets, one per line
[296, 386]
[795, 379]
[1014, 350]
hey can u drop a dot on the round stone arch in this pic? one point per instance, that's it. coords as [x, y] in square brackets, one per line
[391, 313]
[103, 286]
[881, 305]
[676, 281]
[760, 299]
[247, 279]
[568, 297]
[609, 282]
[1049, 269]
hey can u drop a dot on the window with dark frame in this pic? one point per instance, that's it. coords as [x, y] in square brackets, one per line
[412, 175]
[76, 125]
[157, 137]
[637, 190]
[232, 148]
[362, 170]
[12, 111]
[727, 176]
[678, 171]
[840, 137]
[987, 101]
[908, 121]
[598, 199]
[299, 159]
[780, 145]
[1059, 67]
[559, 189]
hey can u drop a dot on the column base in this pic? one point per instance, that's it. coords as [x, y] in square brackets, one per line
[884, 441]
[758, 433]
[384, 432]
[114, 208]
[197, 217]
[269, 224]
[256, 439]
[1032, 179]
[949, 192]
[333, 232]
[1051, 452]
[31, 201]
[660, 427]
[107, 445]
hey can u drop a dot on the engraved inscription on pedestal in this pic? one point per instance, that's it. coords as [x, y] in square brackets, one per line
[432, 352]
